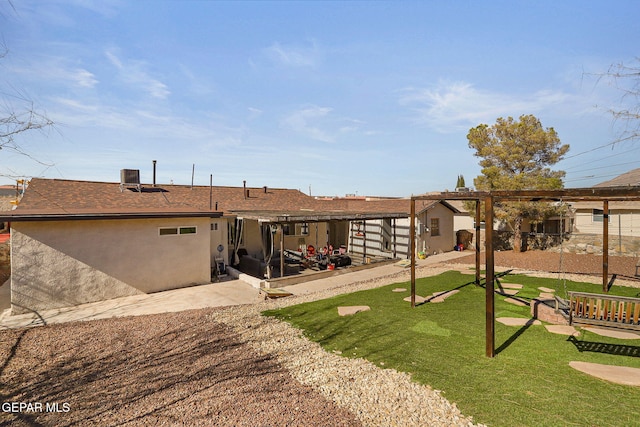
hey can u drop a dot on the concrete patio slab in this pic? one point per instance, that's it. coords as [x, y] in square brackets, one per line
[615, 374]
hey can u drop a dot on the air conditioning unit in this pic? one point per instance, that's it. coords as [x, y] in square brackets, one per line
[130, 176]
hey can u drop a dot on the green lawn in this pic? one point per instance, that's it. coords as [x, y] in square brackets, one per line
[528, 383]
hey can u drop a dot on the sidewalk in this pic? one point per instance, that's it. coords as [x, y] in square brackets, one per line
[234, 292]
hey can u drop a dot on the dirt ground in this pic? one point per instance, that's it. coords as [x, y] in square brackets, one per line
[170, 369]
[554, 262]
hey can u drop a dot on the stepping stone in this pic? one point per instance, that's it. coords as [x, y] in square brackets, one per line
[517, 321]
[547, 295]
[543, 289]
[441, 296]
[515, 302]
[399, 290]
[510, 292]
[419, 299]
[613, 333]
[511, 286]
[562, 330]
[348, 311]
[404, 263]
[616, 374]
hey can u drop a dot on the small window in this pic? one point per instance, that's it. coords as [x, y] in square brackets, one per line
[302, 229]
[174, 231]
[187, 230]
[435, 226]
[598, 215]
[214, 226]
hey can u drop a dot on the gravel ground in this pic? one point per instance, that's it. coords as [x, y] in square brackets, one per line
[225, 366]
[551, 262]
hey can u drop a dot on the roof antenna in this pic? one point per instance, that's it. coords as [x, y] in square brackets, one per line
[154, 172]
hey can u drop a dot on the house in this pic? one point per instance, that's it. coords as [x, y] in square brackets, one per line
[389, 236]
[624, 220]
[75, 242]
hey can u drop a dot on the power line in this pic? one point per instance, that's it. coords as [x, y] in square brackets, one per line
[593, 149]
[608, 166]
[602, 158]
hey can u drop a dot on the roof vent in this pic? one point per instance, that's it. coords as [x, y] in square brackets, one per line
[129, 178]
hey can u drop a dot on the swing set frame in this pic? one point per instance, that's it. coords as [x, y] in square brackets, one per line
[602, 194]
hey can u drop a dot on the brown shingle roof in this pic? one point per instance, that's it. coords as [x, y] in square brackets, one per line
[631, 178]
[49, 198]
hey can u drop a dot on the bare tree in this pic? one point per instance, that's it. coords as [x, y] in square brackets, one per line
[18, 115]
[626, 78]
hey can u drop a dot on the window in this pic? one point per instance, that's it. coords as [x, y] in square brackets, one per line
[435, 226]
[537, 227]
[598, 215]
[302, 229]
[174, 231]
[187, 230]
[214, 226]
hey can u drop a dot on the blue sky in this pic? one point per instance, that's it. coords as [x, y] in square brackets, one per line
[367, 98]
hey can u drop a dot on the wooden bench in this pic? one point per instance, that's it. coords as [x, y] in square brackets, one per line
[604, 310]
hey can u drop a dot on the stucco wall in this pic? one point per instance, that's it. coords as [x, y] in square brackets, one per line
[447, 238]
[62, 263]
[621, 222]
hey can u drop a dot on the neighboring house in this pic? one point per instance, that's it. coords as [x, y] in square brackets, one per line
[624, 218]
[75, 242]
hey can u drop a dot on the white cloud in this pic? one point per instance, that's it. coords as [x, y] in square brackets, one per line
[320, 124]
[84, 78]
[451, 107]
[306, 122]
[293, 56]
[133, 73]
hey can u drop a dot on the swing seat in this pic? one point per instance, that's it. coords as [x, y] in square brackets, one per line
[608, 311]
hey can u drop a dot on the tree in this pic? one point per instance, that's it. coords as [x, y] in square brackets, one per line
[460, 182]
[18, 115]
[626, 78]
[516, 155]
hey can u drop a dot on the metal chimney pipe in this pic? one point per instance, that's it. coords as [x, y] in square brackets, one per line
[154, 173]
[244, 188]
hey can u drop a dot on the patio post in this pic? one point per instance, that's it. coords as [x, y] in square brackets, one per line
[490, 315]
[281, 251]
[412, 239]
[605, 246]
[477, 226]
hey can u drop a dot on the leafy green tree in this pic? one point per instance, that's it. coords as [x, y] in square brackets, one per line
[460, 182]
[516, 155]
